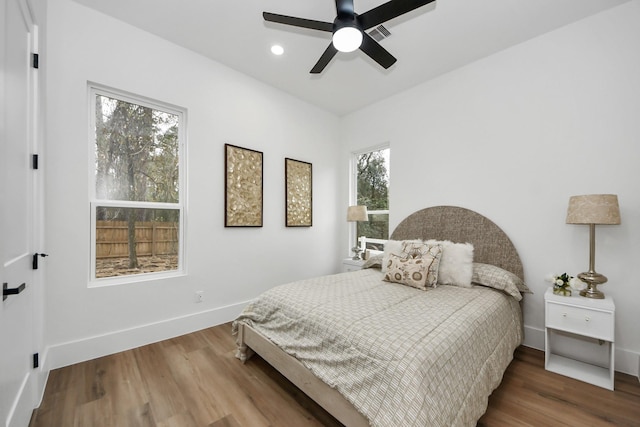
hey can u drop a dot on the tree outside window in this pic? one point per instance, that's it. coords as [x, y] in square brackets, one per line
[136, 210]
[372, 190]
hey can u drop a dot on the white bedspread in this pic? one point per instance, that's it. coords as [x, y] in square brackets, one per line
[401, 356]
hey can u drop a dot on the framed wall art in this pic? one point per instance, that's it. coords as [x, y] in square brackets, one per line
[243, 189]
[298, 190]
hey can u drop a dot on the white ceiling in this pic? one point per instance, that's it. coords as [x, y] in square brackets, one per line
[427, 42]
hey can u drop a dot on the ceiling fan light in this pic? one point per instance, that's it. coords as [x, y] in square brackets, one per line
[347, 39]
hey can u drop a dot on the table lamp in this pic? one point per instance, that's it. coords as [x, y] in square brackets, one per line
[355, 214]
[593, 209]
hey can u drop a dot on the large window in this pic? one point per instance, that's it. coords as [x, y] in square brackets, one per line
[371, 181]
[137, 212]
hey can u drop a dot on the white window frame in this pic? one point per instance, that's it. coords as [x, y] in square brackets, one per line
[95, 89]
[353, 192]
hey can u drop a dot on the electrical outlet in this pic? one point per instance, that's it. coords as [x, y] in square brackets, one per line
[199, 296]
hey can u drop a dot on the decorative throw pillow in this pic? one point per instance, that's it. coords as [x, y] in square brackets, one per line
[374, 261]
[416, 249]
[394, 247]
[419, 271]
[456, 263]
[498, 278]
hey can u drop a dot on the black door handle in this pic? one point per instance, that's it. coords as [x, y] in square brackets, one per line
[6, 290]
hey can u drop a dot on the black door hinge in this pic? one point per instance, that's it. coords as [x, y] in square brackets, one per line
[34, 264]
[36, 361]
[34, 161]
[36, 60]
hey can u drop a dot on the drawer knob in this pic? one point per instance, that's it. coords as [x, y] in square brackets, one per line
[564, 314]
[587, 318]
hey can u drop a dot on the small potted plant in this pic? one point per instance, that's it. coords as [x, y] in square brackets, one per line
[563, 284]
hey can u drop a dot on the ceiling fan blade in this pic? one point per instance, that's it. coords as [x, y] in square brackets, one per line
[324, 60]
[344, 7]
[376, 52]
[298, 22]
[388, 11]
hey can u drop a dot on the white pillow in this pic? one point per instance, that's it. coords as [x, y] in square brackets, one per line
[456, 263]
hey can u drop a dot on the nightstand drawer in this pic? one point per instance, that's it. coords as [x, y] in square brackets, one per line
[581, 321]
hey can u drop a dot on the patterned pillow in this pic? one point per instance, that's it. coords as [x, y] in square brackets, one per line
[419, 269]
[498, 278]
[417, 249]
[395, 247]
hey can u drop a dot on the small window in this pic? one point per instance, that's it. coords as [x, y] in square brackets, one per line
[137, 212]
[371, 169]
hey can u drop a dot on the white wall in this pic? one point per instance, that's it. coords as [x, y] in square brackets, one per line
[512, 136]
[231, 266]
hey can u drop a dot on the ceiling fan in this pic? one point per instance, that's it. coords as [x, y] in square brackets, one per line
[349, 29]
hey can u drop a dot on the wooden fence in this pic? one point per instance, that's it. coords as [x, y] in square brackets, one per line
[152, 238]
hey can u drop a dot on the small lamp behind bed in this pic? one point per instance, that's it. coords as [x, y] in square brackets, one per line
[355, 214]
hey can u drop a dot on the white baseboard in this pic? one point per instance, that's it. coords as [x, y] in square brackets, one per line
[69, 353]
[533, 337]
[627, 361]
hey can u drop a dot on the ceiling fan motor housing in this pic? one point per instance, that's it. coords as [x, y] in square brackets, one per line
[347, 33]
[346, 20]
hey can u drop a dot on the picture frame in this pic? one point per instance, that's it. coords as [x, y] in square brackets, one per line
[299, 193]
[243, 187]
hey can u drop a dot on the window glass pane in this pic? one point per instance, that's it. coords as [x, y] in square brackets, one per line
[136, 152]
[376, 228]
[153, 235]
[372, 190]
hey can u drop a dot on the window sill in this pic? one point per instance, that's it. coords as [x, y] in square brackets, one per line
[134, 278]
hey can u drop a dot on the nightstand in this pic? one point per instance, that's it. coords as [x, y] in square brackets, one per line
[589, 324]
[349, 264]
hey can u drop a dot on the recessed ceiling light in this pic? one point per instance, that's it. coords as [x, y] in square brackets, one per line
[276, 49]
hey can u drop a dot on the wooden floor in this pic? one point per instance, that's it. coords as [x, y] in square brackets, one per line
[194, 380]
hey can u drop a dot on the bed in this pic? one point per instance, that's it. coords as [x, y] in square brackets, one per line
[377, 353]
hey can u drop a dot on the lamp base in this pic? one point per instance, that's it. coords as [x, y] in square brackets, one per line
[592, 279]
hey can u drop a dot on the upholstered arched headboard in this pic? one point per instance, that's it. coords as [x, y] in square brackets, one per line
[490, 244]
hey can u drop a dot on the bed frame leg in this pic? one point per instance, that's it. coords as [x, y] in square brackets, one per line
[243, 352]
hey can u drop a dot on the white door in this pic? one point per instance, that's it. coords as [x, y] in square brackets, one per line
[17, 203]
